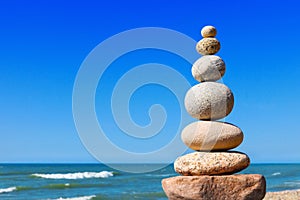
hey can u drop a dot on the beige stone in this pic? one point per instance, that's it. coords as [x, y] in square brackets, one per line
[208, 31]
[233, 187]
[212, 135]
[211, 163]
[208, 46]
[209, 101]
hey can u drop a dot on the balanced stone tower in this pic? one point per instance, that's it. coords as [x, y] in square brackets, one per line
[208, 173]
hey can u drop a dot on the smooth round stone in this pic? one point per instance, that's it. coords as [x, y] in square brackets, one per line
[208, 31]
[208, 68]
[211, 163]
[209, 101]
[211, 135]
[208, 46]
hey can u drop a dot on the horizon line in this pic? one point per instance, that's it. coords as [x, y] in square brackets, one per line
[57, 163]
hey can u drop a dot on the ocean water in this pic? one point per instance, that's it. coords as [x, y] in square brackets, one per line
[96, 181]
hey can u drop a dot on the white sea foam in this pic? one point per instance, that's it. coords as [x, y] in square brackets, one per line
[276, 174]
[292, 183]
[78, 175]
[6, 190]
[78, 198]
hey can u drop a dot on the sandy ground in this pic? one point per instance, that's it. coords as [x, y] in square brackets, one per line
[284, 195]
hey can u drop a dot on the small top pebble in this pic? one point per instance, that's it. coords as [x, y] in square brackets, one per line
[208, 31]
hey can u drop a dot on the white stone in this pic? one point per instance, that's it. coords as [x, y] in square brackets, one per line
[209, 101]
[208, 68]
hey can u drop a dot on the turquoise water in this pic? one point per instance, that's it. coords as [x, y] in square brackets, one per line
[96, 181]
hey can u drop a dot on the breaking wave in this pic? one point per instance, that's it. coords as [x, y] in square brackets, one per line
[78, 175]
[7, 190]
[78, 198]
[276, 174]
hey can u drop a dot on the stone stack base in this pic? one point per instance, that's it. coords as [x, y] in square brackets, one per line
[225, 187]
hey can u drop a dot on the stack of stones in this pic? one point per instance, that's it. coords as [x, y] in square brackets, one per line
[208, 172]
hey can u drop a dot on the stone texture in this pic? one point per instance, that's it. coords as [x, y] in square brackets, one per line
[234, 187]
[211, 135]
[208, 68]
[208, 31]
[211, 163]
[209, 101]
[208, 46]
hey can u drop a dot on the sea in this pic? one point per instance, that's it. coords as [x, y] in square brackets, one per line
[98, 181]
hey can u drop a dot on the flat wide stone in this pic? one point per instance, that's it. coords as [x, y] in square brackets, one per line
[229, 187]
[211, 163]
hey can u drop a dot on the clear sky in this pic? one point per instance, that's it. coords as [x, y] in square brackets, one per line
[43, 43]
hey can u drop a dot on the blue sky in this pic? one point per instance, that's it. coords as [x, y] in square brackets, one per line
[43, 44]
